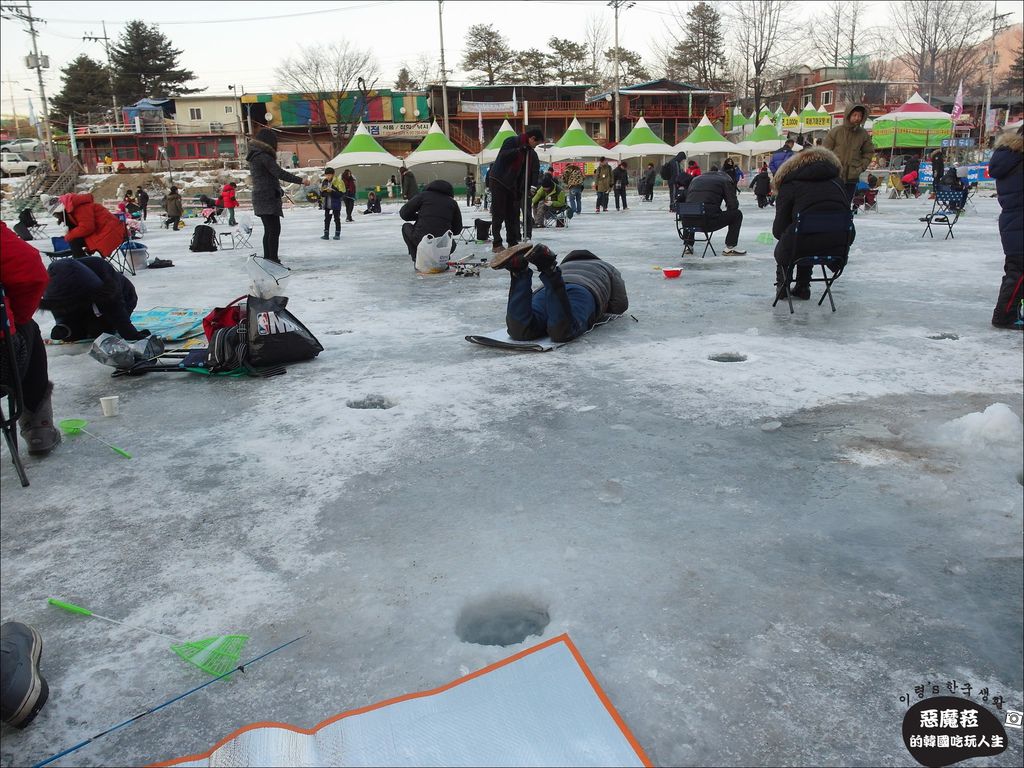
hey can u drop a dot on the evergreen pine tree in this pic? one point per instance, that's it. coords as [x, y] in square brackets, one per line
[1015, 77]
[700, 54]
[85, 94]
[487, 52]
[405, 81]
[146, 65]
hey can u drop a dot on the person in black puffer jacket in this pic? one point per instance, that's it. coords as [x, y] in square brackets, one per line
[434, 212]
[808, 181]
[575, 296]
[266, 188]
[76, 286]
[1007, 168]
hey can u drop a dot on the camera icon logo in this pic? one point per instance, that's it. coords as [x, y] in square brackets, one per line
[1014, 719]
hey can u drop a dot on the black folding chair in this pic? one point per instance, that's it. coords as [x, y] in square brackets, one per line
[11, 410]
[693, 218]
[121, 257]
[949, 203]
[836, 223]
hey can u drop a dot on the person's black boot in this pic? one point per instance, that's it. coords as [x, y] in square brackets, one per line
[512, 258]
[325, 236]
[542, 258]
[801, 291]
[23, 690]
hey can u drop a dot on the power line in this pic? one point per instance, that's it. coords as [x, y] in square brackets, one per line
[242, 20]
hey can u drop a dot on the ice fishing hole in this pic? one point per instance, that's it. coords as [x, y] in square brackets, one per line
[501, 620]
[944, 337]
[372, 402]
[728, 357]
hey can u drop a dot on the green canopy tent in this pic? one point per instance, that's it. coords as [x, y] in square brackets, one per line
[641, 141]
[916, 124]
[705, 140]
[740, 123]
[762, 113]
[438, 148]
[574, 143]
[490, 152]
[764, 139]
[363, 149]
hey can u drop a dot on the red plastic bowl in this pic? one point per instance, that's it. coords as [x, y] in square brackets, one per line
[672, 274]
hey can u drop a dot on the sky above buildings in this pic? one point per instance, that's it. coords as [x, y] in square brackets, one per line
[226, 43]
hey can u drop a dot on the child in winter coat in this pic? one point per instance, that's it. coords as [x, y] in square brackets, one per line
[173, 208]
[762, 185]
[332, 189]
[350, 192]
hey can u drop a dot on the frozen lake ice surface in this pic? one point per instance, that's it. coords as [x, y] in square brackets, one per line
[756, 557]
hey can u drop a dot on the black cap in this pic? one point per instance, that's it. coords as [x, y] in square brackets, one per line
[267, 136]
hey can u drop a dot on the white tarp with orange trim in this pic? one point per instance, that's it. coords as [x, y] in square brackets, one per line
[539, 707]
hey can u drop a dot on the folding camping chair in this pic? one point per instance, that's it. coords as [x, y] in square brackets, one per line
[557, 217]
[11, 410]
[61, 249]
[239, 237]
[946, 209]
[38, 231]
[693, 218]
[837, 223]
[121, 257]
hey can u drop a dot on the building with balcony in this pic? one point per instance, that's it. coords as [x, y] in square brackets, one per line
[672, 109]
[837, 89]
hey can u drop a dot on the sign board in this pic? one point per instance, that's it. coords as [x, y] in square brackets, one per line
[966, 141]
[488, 106]
[975, 172]
[388, 130]
[817, 123]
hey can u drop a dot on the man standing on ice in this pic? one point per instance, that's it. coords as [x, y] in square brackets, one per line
[516, 165]
[574, 297]
[852, 145]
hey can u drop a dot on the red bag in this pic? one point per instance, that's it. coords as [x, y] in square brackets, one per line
[223, 317]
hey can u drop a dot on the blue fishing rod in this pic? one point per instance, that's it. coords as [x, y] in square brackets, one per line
[240, 668]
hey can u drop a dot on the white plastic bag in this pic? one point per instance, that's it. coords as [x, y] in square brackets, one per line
[433, 253]
[267, 277]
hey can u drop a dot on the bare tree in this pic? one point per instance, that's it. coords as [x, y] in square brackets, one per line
[596, 38]
[937, 40]
[764, 37]
[333, 69]
[425, 71]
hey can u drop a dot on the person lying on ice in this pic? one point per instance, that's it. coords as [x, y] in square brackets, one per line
[574, 296]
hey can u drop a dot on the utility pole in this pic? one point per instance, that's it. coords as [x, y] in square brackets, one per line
[444, 72]
[110, 66]
[35, 61]
[990, 62]
[14, 113]
[616, 4]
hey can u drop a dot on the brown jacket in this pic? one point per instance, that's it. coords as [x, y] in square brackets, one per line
[603, 177]
[852, 146]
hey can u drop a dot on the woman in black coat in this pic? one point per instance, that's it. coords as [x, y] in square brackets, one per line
[266, 188]
[808, 181]
[1007, 168]
[762, 185]
[434, 212]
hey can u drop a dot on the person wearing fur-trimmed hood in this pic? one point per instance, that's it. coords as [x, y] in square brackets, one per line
[809, 181]
[266, 188]
[1007, 168]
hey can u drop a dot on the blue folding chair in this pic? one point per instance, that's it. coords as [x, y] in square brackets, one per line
[838, 224]
[949, 203]
[60, 246]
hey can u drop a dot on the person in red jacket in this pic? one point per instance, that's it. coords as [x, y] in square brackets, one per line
[24, 280]
[227, 196]
[91, 227]
[692, 169]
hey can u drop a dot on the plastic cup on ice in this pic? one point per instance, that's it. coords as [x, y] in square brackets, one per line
[109, 405]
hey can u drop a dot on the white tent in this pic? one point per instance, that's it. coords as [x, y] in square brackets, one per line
[575, 143]
[363, 149]
[705, 140]
[438, 148]
[490, 152]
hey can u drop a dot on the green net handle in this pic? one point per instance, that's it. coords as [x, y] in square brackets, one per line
[69, 606]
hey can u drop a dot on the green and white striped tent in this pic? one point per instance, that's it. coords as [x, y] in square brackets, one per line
[575, 143]
[762, 113]
[641, 141]
[705, 140]
[438, 148]
[765, 138]
[363, 149]
[490, 152]
[740, 123]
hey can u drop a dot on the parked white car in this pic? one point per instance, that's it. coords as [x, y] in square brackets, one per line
[22, 145]
[11, 163]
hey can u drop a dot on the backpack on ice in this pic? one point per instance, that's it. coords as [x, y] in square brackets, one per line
[483, 229]
[203, 239]
[276, 336]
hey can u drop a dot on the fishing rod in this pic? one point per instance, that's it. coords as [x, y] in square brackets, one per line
[240, 668]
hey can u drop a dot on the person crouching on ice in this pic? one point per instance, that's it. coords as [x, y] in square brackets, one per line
[574, 296]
